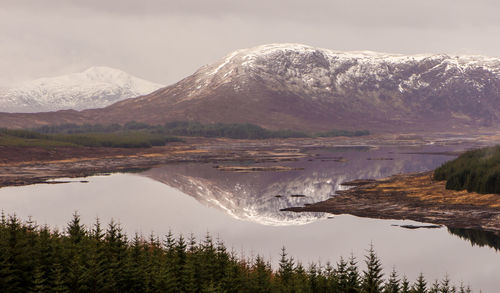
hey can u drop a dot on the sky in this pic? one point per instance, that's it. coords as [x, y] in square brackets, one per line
[165, 41]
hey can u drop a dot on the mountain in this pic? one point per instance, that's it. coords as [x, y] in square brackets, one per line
[95, 87]
[295, 86]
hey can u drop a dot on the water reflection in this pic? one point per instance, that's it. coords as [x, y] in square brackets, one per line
[478, 237]
[259, 196]
[143, 205]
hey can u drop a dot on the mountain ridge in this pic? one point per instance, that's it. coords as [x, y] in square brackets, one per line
[294, 86]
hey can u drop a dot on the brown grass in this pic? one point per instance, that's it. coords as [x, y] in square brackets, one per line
[422, 186]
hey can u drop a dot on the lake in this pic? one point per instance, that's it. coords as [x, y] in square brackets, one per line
[243, 209]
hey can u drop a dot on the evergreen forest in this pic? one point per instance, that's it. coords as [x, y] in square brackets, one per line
[476, 170]
[140, 135]
[103, 259]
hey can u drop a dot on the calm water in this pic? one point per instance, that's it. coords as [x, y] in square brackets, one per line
[242, 208]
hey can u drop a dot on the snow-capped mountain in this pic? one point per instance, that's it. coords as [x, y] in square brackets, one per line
[293, 86]
[297, 86]
[324, 74]
[95, 87]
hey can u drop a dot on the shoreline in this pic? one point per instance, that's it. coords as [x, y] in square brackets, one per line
[409, 196]
[32, 165]
[413, 197]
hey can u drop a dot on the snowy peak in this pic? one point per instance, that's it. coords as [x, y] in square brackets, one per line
[111, 75]
[303, 51]
[323, 74]
[95, 87]
[292, 60]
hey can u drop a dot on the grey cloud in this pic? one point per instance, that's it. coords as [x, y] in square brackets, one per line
[165, 41]
[412, 13]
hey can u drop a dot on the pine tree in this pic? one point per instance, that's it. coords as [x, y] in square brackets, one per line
[299, 280]
[331, 278]
[435, 287]
[353, 278]
[392, 285]
[75, 229]
[233, 280]
[161, 273]
[20, 263]
[190, 270]
[76, 235]
[342, 276]
[168, 268]
[285, 272]
[94, 274]
[136, 266]
[45, 247]
[115, 256]
[97, 233]
[31, 252]
[372, 277]
[6, 270]
[207, 262]
[445, 285]
[313, 275]
[405, 285]
[461, 289]
[420, 285]
[260, 276]
[222, 261]
[180, 270]
[169, 245]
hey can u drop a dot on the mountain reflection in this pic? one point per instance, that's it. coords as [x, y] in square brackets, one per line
[259, 196]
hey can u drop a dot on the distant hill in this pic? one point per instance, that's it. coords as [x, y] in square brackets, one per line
[95, 87]
[292, 86]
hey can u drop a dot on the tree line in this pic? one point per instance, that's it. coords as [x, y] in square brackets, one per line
[121, 139]
[193, 128]
[141, 135]
[476, 170]
[96, 259]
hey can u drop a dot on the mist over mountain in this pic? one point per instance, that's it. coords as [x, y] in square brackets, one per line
[295, 86]
[95, 87]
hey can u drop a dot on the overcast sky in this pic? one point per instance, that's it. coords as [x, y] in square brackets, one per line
[166, 40]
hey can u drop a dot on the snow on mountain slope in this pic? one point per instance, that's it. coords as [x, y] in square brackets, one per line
[316, 71]
[95, 87]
